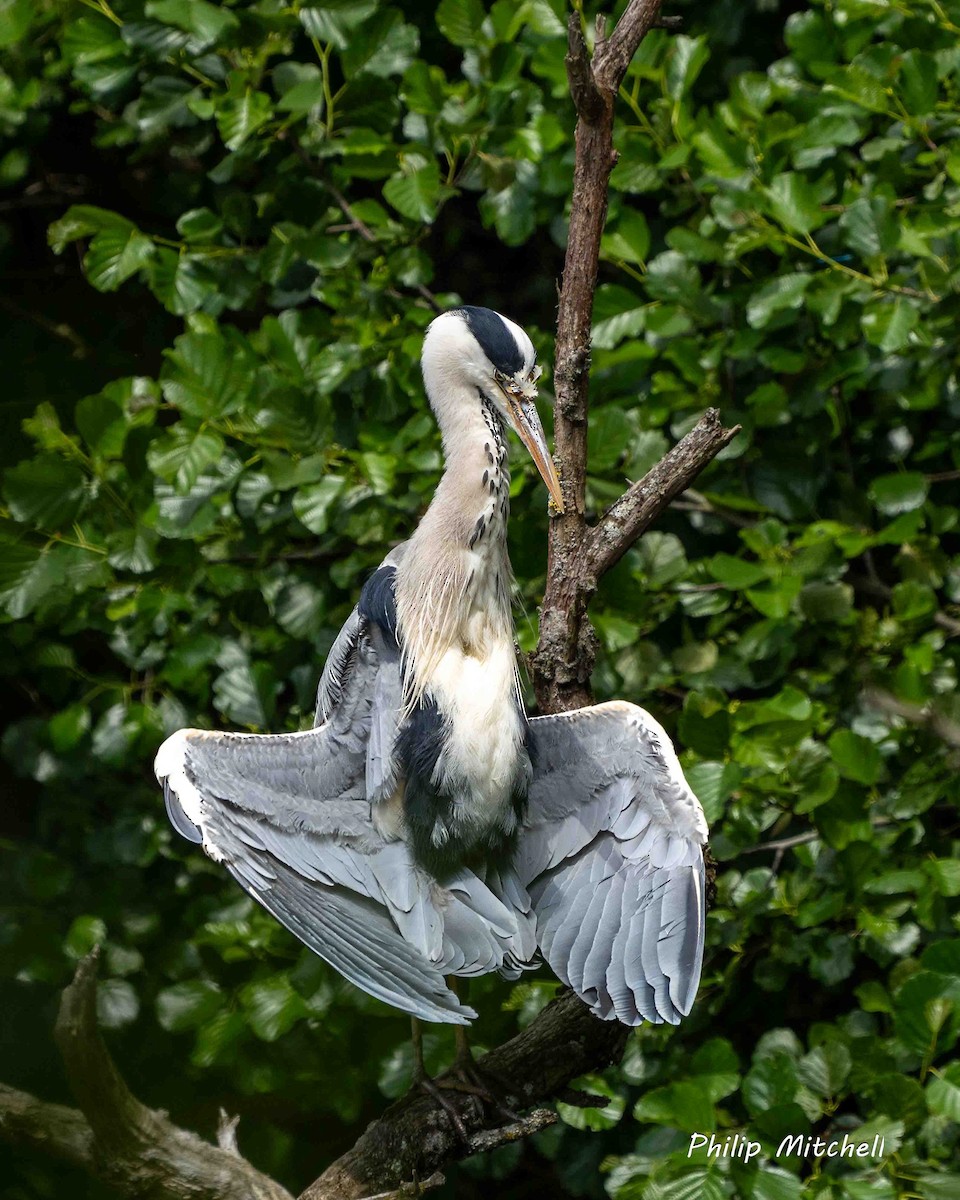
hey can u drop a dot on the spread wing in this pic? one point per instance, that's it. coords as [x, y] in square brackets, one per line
[611, 858]
[289, 816]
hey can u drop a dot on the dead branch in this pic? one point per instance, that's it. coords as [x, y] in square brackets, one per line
[49, 1128]
[128, 1146]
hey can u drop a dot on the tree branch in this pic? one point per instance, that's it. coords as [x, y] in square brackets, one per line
[611, 62]
[414, 1137]
[639, 507]
[563, 662]
[49, 1128]
[131, 1147]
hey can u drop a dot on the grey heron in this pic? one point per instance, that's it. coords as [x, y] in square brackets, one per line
[425, 827]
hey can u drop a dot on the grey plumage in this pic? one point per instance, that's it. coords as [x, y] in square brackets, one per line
[425, 827]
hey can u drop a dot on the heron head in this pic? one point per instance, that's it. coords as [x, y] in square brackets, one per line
[495, 358]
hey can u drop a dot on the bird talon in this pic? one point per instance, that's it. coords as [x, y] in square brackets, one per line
[435, 1091]
[467, 1077]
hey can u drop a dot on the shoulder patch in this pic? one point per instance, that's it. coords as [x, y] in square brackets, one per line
[377, 600]
[496, 340]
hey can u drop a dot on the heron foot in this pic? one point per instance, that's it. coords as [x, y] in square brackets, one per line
[466, 1076]
[434, 1090]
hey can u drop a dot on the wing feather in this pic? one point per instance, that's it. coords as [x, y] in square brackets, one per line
[611, 858]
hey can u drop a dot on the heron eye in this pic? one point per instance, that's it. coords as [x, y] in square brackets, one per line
[499, 376]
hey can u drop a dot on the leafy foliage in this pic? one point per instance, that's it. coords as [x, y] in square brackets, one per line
[185, 532]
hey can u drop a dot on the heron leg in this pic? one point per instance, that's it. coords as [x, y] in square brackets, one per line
[467, 1075]
[423, 1081]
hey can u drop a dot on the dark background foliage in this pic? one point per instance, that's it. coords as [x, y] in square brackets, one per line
[223, 229]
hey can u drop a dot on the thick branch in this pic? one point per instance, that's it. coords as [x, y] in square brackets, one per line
[129, 1146]
[641, 504]
[49, 1128]
[414, 1137]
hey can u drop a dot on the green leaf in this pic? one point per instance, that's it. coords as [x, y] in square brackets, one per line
[918, 84]
[205, 377]
[272, 1006]
[688, 58]
[600, 1118]
[388, 46]
[684, 1105]
[608, 437]
[943, 1093]
[186, 1005]
[184, 455]
[629, 239]
[67, 727]
[102, 424]
[774, 1183]
[84, 933]
[945, 873]
[889, 323]
[299, 609]
[414, 190]
[199, 225]
[246, 692]
[81, 220]
[180, 282]
[795, 203]
[712, 784]
[870, 226]
[926, 1013]
[15, 19]
[132, 550]
[44, 492]
[460, 21]
[900, 492]
[313, 504]
[825, 1069]
[784, 292]
[511, 209]
[856, 756]
[207, 22]
[240, 116]
[305, 94]
[661, 558]
[117, 1003]
[114, 255]
[334, 21]
[735, 572]
[829, 602]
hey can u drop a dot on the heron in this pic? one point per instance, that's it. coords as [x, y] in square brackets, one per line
[426, 828]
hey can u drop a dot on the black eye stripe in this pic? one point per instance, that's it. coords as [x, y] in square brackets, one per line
[495, 339]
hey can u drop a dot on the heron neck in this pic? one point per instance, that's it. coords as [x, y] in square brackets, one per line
[453, 582]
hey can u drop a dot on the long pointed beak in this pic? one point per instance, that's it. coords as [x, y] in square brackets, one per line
[526, 421]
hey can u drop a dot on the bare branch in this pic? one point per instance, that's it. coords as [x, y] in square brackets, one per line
[490, 1139]
[926, 716]
[802, 839]
[639, 507]
[414, 1137]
